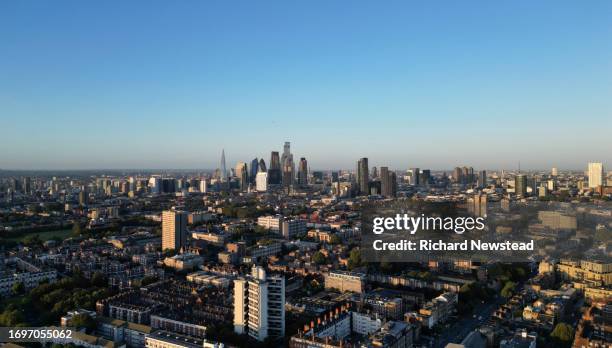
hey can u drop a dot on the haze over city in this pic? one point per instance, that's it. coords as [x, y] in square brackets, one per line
[128, 85]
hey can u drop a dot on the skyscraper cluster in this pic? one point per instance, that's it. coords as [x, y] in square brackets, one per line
[464, 175]
[384, 182]
[281, 172]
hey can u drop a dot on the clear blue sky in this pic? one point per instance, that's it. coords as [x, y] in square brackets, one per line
[168, 84]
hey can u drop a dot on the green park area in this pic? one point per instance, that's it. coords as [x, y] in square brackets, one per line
[43, 236]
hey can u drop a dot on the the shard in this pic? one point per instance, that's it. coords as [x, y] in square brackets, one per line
[223, 169]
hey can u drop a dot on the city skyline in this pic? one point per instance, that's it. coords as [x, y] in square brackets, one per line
[518, 167]
[221, 165]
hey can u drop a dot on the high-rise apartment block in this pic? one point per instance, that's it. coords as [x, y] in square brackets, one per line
[388, 182]
[596, 174]
[520, 185]
[174, 229]
[259, 305]
[363, 176]
[482, 178]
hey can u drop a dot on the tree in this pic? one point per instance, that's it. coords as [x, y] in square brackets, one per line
[563, 334]
[335, 239]
[98, 279]
[319, 258]
[386, 267]
[11, 317]
[32, 240]
[18, 288]
[602, 235]
[148, 280]
[76, 230]
[508, 289]
[261, 230]
[84, 321]
[354, 260]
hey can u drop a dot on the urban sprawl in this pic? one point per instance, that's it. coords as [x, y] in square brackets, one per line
[267, 254]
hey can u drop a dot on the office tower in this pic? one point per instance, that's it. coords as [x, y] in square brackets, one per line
[275, 160]
[287, 156]
[303, 172]
[261, 182]
[413, 173]
[374, 188]
[520, 185]
[425, 177]
[554, 172]
[551, 185]
[223, 169]
[596, 174]
[334, 176]
[287, 165]
[464, 174]
[254, 170]
[288, 175]
[155, 185]
[471, 177]
[168, 185]
[174, 229]
[374, 173]
[262, 166]
[259, 305]
[457, 175]
[27, 185]
[274, 172]
[363, 176]
[243, 176]
[482, 178]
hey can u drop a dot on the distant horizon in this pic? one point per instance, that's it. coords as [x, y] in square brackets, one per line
[311, 169]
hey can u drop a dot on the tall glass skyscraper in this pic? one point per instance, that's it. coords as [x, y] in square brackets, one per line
[274, 173]
[223, 169]
[254, 170]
